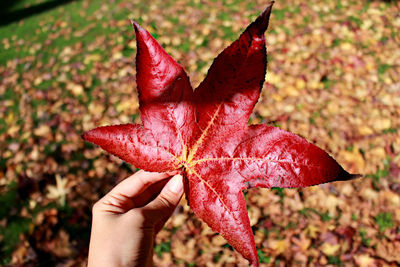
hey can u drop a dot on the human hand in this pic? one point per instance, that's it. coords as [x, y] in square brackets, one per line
[126, 220]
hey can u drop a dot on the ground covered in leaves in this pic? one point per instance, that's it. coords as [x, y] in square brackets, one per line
[333, 77]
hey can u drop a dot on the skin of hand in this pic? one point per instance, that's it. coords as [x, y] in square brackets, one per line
[127, 219]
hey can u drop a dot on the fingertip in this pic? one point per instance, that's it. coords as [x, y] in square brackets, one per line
[138, 182]
[165, 203]
[175, 185]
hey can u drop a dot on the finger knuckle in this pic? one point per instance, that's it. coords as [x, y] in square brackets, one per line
[99, 205]
[144, 181]
[96, 207]
[165, 201]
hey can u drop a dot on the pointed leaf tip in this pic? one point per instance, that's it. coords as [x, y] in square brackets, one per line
[261, 23]
[136, 25]
[348, 176]
[87, 135]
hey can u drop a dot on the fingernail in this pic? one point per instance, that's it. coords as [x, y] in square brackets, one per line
[175, 185]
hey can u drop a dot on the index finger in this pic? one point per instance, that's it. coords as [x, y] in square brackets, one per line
[138, 182]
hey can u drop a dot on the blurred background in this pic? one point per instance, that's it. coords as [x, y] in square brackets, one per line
[333, 77]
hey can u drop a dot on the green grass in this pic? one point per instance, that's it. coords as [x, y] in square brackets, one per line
[279, 14]
[324, 216]
[335, 260]
[364, 240]
[162, 248]
[380, 173]
[10, 235]
[36, 29]
[384, 220]
[382, 68]
[16, 225]
[262, 257]
[356, 20]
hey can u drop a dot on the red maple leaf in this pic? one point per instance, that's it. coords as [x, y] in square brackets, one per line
[204, 133]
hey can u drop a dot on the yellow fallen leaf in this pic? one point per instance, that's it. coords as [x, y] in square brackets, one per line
[364, 261]
[303, 243]
[278, 245]
[117, 56]
[66, 51]
[96, 109]
[13, 130]
[370, 194]
[329, 249]
[354, 159]
[10, 118]
[254, 215]
[42, 130]
[273, 78]
[300, 84]
[312, 231]
[292, 91]
[382, 124]
[392, 197]
[59, 191]
[76, 89]
[91, 58]
[365, 130]
[132, 44]
[37, 81]
[346, 46]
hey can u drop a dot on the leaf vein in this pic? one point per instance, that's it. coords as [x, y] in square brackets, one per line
[162, 148]
[204, 133]
[212, 189]
[195, 162]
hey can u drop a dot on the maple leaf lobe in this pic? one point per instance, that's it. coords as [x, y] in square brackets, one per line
[262, 20]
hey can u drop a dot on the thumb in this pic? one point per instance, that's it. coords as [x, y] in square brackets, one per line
[165, 203]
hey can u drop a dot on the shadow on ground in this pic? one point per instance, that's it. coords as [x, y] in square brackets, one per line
[8, 16]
